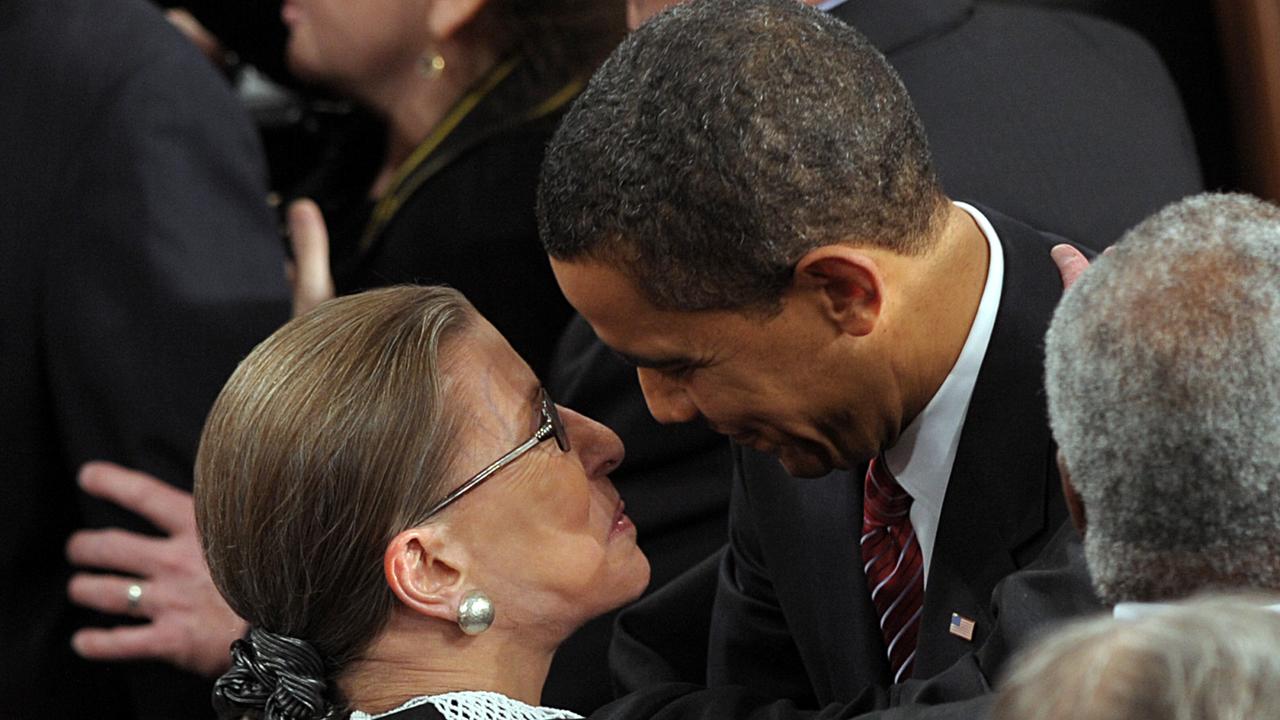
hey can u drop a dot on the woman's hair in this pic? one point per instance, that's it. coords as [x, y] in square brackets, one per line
[330, 438]
[562, 39]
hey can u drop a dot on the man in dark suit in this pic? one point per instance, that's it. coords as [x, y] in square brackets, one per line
[139, 263]
[743, 205]
[1038, 113]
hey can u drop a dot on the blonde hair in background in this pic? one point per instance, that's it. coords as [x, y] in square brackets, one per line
[331, 437]
[1209, 659]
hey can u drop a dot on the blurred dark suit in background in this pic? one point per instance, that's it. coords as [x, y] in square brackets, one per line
[138, 264]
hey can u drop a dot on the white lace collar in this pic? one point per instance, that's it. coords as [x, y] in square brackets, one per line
[471, 705]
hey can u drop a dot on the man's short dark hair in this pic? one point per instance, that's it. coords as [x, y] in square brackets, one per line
[722, 141]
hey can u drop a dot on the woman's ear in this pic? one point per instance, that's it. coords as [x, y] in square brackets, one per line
[848, 283]
[423, 575]
[446, 18]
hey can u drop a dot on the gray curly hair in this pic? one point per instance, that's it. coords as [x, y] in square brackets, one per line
[1163, 377]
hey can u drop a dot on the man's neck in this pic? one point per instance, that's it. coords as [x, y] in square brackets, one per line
[938, 295]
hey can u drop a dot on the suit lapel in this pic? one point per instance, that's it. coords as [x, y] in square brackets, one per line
[1003, 495]
[848, 637]
[809, 530]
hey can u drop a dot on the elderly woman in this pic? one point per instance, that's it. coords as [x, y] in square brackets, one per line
[403, 515]
[432, 180]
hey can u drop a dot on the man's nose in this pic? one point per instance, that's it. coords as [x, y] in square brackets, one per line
[668, 400]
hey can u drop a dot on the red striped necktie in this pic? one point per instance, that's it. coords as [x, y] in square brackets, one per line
[893, 564]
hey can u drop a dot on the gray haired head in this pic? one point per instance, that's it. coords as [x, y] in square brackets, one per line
[1214, 659]
[1163, 377]
[726, 138]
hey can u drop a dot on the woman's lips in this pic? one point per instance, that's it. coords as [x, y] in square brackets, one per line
[621, 523]
[289, 13]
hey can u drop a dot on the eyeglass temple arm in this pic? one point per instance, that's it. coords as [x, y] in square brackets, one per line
[543, 433]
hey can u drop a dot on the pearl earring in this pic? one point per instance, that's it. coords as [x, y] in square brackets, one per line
[475, 613]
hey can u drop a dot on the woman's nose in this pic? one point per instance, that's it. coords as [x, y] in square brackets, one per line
[667, 400]
[599, 449]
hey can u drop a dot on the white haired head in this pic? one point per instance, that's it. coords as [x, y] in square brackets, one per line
[1163, 378]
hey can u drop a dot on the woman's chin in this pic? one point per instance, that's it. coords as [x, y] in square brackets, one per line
[636, 579]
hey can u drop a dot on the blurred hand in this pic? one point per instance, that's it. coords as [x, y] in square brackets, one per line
[190, 625]
[308, 272]
[1070, 261]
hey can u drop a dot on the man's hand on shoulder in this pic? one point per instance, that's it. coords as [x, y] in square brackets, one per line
[1070, 261]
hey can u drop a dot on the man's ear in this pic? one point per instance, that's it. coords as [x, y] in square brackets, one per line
[849, 284]
[423, 575]
[1075, 503]
[446, 18]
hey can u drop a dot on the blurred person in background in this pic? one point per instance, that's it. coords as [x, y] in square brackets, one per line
[139, 262]
[435, 182]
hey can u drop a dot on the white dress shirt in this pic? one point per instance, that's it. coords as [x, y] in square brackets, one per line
[921, 460]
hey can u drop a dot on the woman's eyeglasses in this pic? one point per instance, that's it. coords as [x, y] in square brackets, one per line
[551, 427]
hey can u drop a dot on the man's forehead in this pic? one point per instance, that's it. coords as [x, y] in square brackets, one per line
[630, 324]
[607, 297]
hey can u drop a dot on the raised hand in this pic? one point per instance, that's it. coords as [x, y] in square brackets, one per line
[309, 272]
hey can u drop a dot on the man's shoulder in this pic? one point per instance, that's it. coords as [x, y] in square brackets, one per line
[1029, 270]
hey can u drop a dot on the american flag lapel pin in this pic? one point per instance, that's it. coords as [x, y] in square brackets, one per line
[961, 626]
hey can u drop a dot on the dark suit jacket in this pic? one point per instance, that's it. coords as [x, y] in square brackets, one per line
[1064, 121]
[793, 615]
[138, 264]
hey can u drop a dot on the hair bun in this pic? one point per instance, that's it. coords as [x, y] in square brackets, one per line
[274, 677]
